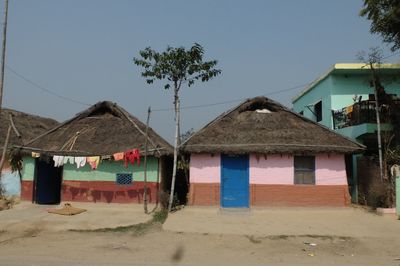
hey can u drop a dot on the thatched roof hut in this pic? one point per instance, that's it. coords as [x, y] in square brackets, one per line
[27, 125]
[103, 129]
[260, 125]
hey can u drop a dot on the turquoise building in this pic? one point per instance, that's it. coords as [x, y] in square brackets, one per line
[343, 100]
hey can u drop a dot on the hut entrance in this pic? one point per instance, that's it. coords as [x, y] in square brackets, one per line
[235, 181]
[48, 181]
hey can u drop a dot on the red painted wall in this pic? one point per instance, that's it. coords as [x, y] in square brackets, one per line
[99, 191]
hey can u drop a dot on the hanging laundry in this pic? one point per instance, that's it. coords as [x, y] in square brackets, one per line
[80, 161]
[106, 157]
[69, 159]
[35, 155]
[395, 170]
[349, 109]
[118, 156]
[130, 157]
[93, 161]
[58, 160]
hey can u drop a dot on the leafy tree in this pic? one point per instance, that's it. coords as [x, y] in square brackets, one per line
[176, 66]
[385, 19]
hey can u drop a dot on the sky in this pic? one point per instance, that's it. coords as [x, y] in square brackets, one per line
[65, 55]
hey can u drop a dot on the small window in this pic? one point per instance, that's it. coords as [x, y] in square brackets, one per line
[318, 111]
[304, 170]
[301, 113]
[124, 179]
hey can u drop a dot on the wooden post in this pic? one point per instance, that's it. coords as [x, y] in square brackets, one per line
[3, 155]
[3, 53]
[378, 121]
[145, 161]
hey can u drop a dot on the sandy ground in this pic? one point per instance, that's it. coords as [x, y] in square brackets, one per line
[205, 236]
[28, 216]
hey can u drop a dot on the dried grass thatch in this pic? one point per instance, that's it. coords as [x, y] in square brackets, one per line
[103, 129]
[28, 126]
[272, 129]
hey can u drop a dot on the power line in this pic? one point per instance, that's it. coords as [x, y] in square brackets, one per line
[231, 101]
[163, 109]
[44, 89]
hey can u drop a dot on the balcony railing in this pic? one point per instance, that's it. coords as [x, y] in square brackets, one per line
[360, 113]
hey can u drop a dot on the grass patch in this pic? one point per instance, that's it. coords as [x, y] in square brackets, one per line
[155, 223]
[160, 216]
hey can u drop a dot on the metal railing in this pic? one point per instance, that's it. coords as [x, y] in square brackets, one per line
[360, 113]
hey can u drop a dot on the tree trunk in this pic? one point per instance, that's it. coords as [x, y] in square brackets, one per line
[177, 120]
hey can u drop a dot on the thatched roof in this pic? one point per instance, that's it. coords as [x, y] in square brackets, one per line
[27, 125]
[103, 129]
[272, 129]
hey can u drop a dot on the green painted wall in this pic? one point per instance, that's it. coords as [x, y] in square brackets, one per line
[28, 169]
[107, 170]
[345, 86]
[337, 91]
[356, 131]
[320, 92]
[398, 196]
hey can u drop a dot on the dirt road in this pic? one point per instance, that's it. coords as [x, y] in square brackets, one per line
[160, 247]
[267, 237]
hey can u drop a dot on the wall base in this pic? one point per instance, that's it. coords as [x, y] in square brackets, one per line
[99, 191]
[276, 195]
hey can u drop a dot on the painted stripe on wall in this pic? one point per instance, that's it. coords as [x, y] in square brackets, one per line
[330, 170]
[205, 168]
[271, 169]
[274, 170]
[107, 170]
[104, 191]
[28, 169]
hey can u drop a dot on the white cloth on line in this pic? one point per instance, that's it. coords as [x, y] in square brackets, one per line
[80, 161]
[58, 160]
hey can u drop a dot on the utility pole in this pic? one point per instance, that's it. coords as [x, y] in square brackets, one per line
[378, 121]
[3, 52]
[145, 161]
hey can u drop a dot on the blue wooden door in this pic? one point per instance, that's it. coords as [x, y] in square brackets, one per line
[235, 181]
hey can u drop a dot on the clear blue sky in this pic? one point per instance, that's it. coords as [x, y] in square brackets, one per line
[83, 50]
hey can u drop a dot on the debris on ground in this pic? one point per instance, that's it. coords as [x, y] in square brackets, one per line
[66, 210]
[310, 244]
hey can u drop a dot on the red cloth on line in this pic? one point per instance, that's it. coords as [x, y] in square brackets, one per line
[130, 157]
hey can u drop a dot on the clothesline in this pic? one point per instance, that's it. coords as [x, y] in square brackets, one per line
[80, 158]
[76, 152]
[129, 156]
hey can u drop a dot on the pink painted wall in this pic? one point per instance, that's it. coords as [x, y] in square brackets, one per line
[205, 168]
[272, 169]
[330, 170]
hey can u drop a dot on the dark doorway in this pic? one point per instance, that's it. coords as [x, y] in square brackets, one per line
[48, 181]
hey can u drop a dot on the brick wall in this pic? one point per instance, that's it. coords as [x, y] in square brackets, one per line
[208, 194]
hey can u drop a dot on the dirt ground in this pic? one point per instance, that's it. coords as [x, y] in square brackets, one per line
[166, 245]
